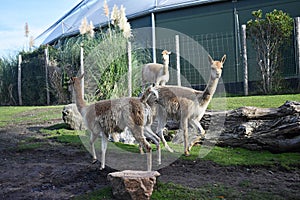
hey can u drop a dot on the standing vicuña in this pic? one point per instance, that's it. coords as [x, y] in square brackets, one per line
[107, 116]
[156, 73]
[187, 105]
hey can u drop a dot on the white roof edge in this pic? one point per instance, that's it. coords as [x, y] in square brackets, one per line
[161, 7]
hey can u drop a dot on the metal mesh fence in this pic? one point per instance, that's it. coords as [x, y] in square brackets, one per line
[194, 66]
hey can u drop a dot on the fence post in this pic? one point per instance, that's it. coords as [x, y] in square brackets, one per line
[178, 60]
[297, 49]
[46, 74]
[237, 39]
[153, 37]
[19, 80]
[129, 70]
[82, 69]
[245, 59]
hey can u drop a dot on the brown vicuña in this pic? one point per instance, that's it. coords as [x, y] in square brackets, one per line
[187, 105]
[107, 116]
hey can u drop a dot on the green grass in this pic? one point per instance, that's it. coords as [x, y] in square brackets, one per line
[238, 156]
[62, 134]
[11, 115]
[266, 101]
[167, 191]
[29, 146]
[30, 114]
[102, 194]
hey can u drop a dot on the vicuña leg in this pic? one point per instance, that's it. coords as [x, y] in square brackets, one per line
[160, 131]
[196, 124]
[184, 128]
[152, 136]
[138, 134]
[93, 138]
[103, 150]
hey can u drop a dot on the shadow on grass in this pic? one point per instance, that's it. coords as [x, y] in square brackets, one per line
[58, 126]
[59, 133]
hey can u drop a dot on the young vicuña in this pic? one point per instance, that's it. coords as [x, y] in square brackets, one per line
[156, 73]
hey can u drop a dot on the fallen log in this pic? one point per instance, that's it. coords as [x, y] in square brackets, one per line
[273, 129]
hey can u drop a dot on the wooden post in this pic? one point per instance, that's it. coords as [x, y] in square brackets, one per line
[237, 39]
[129, 70]
[297, 49]
[19, 81]
[178, 60]
[46, 74]
[245, 62]
[153, 37]
[82, 69]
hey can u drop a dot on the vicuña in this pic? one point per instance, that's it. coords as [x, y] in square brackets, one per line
[156, 73]
[187, 105]
[107, 116]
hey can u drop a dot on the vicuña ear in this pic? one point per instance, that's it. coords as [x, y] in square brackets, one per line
[223, 59]
[210, 60]
[71, 80]
[165, 52]
[154, 91]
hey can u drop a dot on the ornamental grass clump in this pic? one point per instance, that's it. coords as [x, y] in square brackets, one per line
[106, 63]
[87, 28]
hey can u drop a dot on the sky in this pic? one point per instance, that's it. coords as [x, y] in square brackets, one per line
[39, 14]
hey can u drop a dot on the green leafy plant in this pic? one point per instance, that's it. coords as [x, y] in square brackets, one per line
[8, 77]
[268, 34]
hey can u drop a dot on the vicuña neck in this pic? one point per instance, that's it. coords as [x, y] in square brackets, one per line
[80, 103]
[166, 66]
[209, 91]
[145, 96]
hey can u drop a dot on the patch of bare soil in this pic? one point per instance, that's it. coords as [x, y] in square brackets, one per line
[61, 171]
[52, 171]
[276, 180]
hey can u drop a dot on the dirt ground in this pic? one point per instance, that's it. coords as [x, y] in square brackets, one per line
[61, 171]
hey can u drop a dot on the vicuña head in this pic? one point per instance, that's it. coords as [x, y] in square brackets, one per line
[216, 66]
[166, 55]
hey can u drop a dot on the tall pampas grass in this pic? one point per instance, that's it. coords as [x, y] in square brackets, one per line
[105, 55]
[119, 20]
[87, 28]
[26, 30]
[31, 42]
[105, 9]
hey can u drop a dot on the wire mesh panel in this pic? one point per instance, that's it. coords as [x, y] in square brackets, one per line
[194, 66]
[193, 59]
[194, 51]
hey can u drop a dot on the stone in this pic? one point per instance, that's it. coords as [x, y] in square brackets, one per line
[125, 137]
[72, 117]
[132, 185]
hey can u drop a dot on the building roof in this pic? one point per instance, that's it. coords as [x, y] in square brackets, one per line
[93, 10]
